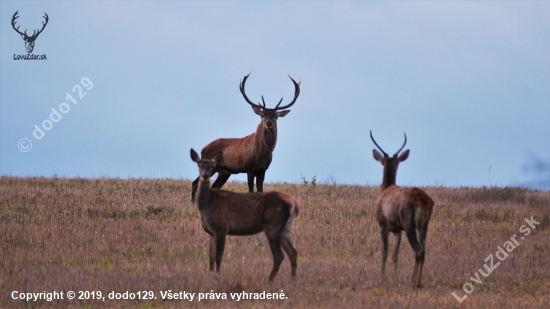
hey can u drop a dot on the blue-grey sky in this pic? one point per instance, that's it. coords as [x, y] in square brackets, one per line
[468, 81]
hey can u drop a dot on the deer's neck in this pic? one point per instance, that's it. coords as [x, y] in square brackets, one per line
[203, 195]
[265, 139]
[390, 174]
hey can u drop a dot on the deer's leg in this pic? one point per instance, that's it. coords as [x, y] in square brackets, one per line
[290, 251]
[212, 254]
[250, 181]
[395, 253]
[278, 256]
[384, 234]
[419, 254]
[260, 181]
[423, 232]
[220, 246]
[220, 180]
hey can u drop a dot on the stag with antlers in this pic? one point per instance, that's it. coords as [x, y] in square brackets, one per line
[229, 213]
[29, 40]
[401, 209]
[251, 154]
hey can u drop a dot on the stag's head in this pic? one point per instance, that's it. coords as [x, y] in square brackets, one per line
[270, 115]
[29, 40]
[206, 166]
[390, 163]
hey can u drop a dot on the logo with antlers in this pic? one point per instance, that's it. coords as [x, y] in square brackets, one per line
[29, 40]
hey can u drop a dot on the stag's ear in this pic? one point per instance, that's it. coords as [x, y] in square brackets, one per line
[404, 155]
[377, 156]
[283, 113]
[218, 157]
[195, 156]
[258, 111]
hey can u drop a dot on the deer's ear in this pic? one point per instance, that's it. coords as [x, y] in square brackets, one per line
[404, 155]
[258, 111]
[283, 113]
[377, 156]
[218, 157]
[195, 156]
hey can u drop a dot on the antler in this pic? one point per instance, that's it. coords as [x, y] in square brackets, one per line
[241, 87]
[43, 26]
[401, 146]
[13, 23]
[34, 33]
[385, 154]
[296, 94]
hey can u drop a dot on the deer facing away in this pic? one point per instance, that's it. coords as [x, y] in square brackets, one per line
[251, 154]
[401, 209]
[230, 213]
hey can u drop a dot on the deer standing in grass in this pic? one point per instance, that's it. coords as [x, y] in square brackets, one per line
[230, 213]
[401, 209]
[251, 154]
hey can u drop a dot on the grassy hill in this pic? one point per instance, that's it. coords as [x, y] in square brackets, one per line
[141, 235]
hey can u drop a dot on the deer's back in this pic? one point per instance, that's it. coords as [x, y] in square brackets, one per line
[395, 204]
[247, 213]
[234, 152]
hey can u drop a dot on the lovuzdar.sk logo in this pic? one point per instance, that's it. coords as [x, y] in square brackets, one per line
[29, 40]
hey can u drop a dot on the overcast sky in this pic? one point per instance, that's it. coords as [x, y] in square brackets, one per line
[468, 81]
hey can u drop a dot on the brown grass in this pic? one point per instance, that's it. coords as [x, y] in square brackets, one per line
[144, 235]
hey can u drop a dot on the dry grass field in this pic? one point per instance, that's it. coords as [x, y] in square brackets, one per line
[144, 235]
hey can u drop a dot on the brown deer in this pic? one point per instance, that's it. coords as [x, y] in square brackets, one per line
[230, 213]
[401, 209]
[251, 154]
